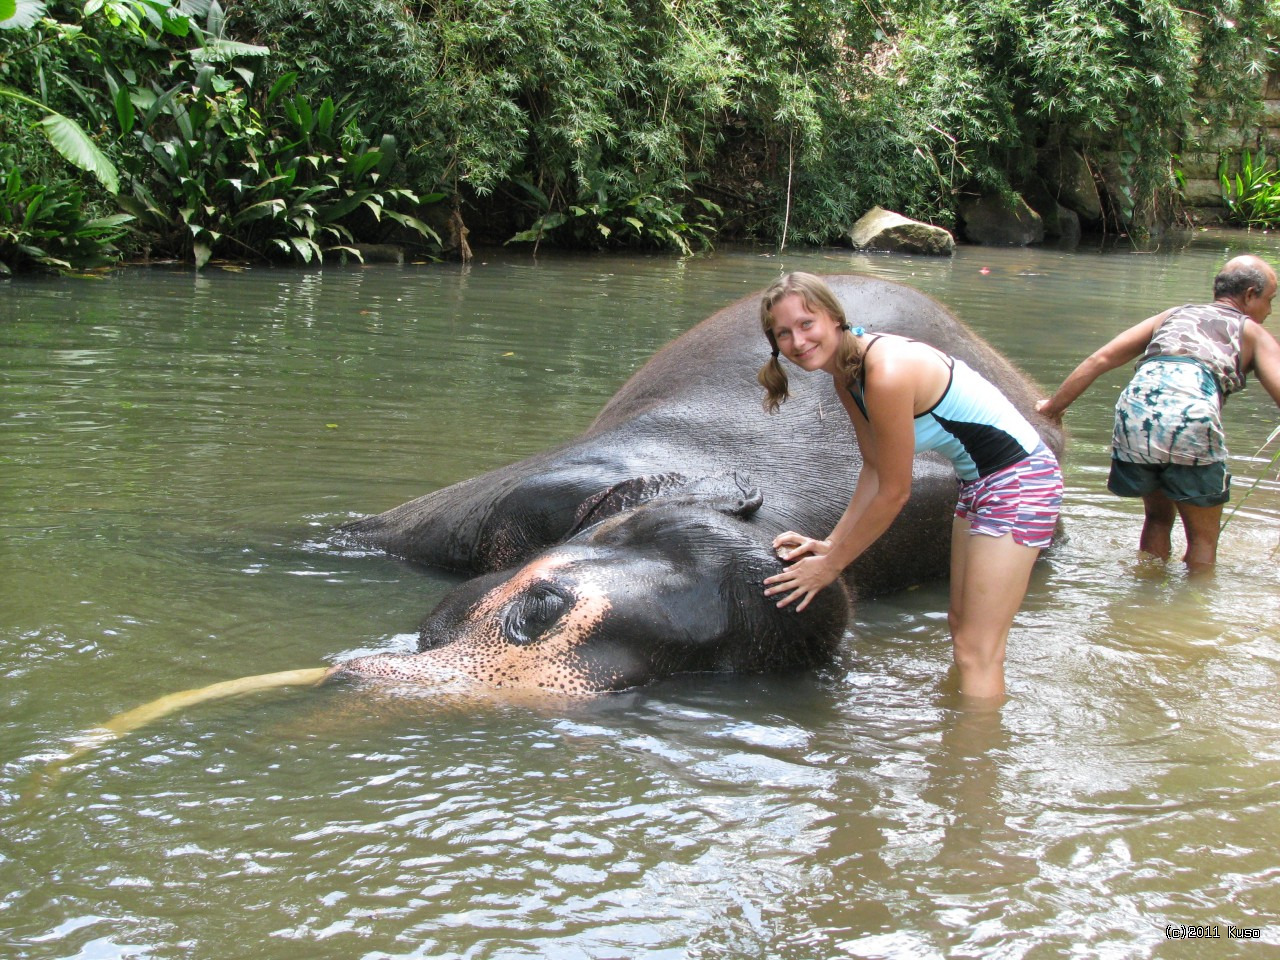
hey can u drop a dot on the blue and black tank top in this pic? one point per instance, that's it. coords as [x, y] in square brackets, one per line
[973, 424]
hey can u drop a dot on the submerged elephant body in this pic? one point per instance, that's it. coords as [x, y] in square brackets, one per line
[638, 550]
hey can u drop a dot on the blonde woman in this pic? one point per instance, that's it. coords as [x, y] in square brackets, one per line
[904, 397]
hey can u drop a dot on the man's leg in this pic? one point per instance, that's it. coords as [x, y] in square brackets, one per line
[1157, 525]
[1202, 526]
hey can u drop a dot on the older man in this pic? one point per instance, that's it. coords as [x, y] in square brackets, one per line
[1168, 445]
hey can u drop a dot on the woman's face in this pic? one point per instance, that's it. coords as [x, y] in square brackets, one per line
[806, 336]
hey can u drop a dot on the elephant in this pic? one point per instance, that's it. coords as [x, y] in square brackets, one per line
[637, 550]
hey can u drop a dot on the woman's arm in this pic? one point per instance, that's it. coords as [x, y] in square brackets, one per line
[1120, 350]
[791, 545]
[887, 441]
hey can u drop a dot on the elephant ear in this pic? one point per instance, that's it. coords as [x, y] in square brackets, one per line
[728, 493]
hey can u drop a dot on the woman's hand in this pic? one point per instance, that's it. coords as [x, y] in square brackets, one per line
[808, 569]
[792, 546]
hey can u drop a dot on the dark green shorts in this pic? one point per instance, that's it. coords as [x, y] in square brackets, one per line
[1204, 486]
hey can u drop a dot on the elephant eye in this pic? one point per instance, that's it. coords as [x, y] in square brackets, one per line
[533, 613]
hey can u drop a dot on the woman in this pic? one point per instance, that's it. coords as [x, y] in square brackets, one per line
[905, 397]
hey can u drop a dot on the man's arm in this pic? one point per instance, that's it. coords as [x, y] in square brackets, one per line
[1122, 349]
[1266, 358]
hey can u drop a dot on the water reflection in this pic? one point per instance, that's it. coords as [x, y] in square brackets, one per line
[177, 448]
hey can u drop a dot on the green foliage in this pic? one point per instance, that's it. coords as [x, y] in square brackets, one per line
[133, 21]
[63, 133]
[207, 167]
[1000, 80]
[69, 139]
[649, 218]
[20, 14]
[609, 112]
[289, 180]
[583, 115]
[45, 225]
[1251, 196]
[604, 123]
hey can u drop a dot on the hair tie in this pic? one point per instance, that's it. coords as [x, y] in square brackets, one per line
[856, 331]
[773, 342]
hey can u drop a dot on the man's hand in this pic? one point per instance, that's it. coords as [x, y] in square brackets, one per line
[1046, 409]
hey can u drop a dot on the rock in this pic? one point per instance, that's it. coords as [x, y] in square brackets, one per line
[996, 221]
[1071, 180]
[1066, 226]
[881, 229]
[1060, 223]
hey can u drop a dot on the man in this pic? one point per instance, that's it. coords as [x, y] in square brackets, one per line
[1168, 446]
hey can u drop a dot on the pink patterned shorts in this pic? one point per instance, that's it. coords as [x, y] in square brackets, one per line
[1022, 499]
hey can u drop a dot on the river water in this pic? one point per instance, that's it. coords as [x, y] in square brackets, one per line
[176, 450]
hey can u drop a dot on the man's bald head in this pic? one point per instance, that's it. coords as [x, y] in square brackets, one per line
[1241, 274]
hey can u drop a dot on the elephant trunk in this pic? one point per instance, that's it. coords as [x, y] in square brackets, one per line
[416, 668]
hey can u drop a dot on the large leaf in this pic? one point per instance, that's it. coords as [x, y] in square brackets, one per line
[340, 208]
[108, 227]
[324, 117]
[125, 114]
[70, 140]
[20, 14]
[305, 248]
[413, 223]
[219, 50]
[362, 164]
[282, 85]
[267, 208]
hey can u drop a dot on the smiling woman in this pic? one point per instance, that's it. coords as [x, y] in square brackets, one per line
[905, 397]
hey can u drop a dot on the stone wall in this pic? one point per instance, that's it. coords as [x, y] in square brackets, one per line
[1199, 163]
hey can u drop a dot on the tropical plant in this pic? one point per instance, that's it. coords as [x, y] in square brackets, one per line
[563, 119]
[1252, 194]
[63, 133]
[45, 225]
[215, 173]
[598, 218]
[605, 122]
[790, 115]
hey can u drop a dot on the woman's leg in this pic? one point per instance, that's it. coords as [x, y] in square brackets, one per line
[1202, 526]
[989, 577]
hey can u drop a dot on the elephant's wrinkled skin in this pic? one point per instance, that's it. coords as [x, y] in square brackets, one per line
[638, 550]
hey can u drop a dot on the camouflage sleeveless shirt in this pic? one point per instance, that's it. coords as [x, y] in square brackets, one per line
[1208, 332]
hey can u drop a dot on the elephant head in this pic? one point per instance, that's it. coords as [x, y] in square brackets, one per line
[661, 576]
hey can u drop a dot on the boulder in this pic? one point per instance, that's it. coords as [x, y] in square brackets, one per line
[881, 229]
[1065, 227]
[999, 221]
[1071, 180]
[1060, 223]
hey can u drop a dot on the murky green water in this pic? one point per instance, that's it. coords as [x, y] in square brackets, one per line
[174, 452]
